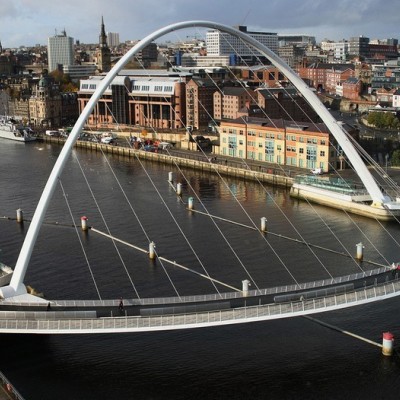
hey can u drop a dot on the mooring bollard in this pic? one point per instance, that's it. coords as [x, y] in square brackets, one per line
[387, 344]
[84, 223]
[190, 203]
[360, 248]
[152, 252]
[170, 177]
[245, 287]
[20, 215]
[179, 189]
[263, 224]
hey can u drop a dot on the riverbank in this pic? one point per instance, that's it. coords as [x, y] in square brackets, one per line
[223, 166]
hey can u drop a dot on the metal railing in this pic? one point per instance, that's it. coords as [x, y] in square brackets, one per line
[215, 296]
[211, 318]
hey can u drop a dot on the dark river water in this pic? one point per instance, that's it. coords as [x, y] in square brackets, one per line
[284, 359]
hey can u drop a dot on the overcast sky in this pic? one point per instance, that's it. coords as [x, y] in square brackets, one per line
[28, 22]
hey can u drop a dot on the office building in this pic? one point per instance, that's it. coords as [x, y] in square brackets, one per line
[112, 39]
[223, 44]
[60, 51]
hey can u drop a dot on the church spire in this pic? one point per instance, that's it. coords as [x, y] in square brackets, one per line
[103, 36]
[103, 53]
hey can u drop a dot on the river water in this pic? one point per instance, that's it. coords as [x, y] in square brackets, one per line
[285, 359]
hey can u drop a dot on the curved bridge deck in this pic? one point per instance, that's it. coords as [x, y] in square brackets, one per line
[65, 322]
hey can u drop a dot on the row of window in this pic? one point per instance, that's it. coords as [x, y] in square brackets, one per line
[292, 138]
[310, 161]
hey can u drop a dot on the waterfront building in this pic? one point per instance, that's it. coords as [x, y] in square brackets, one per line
[302, 145]
[45, 107]
[60, 51]
[200, 102]
[152, 98]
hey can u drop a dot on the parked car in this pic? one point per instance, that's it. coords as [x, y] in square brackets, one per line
[164, 146]
[150, 147]
[317, 171]
[107, 140]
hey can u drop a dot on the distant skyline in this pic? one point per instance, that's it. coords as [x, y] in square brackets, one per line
[27, 22]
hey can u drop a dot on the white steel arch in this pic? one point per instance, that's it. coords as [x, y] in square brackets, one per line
[17, 287]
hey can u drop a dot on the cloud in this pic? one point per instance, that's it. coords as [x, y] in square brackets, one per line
[26, 22]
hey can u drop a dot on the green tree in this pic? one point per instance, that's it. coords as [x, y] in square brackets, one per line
[396, 158]
[383, 120]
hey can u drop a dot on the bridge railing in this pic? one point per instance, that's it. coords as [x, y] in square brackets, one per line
[205, 318]
[223, 295]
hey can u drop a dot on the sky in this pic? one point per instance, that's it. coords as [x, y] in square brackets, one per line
[31, 22]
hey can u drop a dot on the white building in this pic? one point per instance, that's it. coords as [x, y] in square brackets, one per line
[112, 39]
[341, 50]
[77, 72]
[60, 51]
[223, 44]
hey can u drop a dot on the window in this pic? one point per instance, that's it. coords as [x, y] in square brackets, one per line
[301, 150]
[322, 153]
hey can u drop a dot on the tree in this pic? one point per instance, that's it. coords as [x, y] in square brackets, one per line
[64, 80]
[396, 158]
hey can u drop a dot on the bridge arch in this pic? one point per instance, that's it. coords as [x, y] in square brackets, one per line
[17, 287]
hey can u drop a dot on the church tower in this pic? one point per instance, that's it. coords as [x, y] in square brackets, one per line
[103, 54]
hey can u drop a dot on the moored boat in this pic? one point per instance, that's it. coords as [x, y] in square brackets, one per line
[15, 130]
[5, 274]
